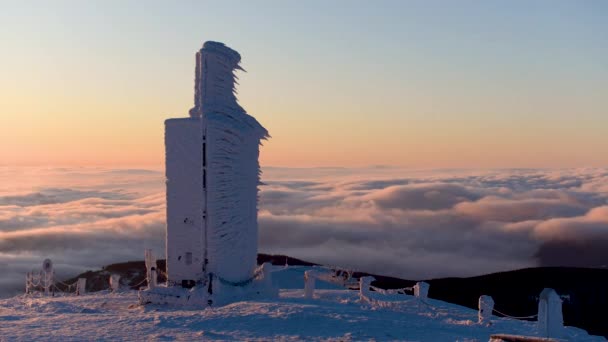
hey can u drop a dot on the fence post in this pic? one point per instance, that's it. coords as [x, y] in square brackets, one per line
[364, 284]
[421, 289]
[486, 306]
[47, 283]
[48, 274]
[81, 286]
[152, 277]
[114, 282]
[550, 318]
[27, 282]
[309, 284]
[267, 274]
[150, 261]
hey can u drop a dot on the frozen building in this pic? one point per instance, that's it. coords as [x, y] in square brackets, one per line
[212, 173]
[185, 200]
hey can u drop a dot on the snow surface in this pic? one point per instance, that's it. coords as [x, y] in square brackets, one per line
[331, 315]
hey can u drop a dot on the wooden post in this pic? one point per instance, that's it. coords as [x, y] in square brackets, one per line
[486, 306]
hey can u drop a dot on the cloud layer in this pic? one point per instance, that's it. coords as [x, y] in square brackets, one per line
[423, 224]
[412, 224]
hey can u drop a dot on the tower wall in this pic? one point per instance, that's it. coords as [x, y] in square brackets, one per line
[185, 199]
[212, 184]
[232, 192]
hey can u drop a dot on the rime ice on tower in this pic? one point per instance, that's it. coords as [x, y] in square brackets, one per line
[212, 175]
[185, 227]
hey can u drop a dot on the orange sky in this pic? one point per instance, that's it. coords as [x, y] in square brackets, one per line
[431, 89]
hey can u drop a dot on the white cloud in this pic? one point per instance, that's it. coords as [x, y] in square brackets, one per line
[408, 223]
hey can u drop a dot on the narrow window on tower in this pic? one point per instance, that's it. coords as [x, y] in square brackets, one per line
[188, 258]
[204, 154]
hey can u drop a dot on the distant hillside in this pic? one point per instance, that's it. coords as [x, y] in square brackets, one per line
[515, 292]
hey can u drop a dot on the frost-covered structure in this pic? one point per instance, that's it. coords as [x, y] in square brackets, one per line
[213, 174]
[550, 317]
[231, 171]
[185, 200]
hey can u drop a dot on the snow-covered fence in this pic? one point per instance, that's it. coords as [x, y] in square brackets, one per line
[421, 289]
[43, 279]
[365, 295]
[69, 288]
[486, 306]
[332, 275]
[402, 290]
[364, 285]
[550, 318]
[35, 281]
[32, 281]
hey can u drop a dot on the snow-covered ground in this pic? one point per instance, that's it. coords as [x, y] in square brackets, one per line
[332, 315]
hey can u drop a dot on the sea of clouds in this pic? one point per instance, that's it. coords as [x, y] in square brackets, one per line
[415, 224]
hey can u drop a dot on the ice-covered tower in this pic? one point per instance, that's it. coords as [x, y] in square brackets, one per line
[213, 173]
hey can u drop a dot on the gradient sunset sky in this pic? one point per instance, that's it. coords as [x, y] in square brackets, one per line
[419, 84]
